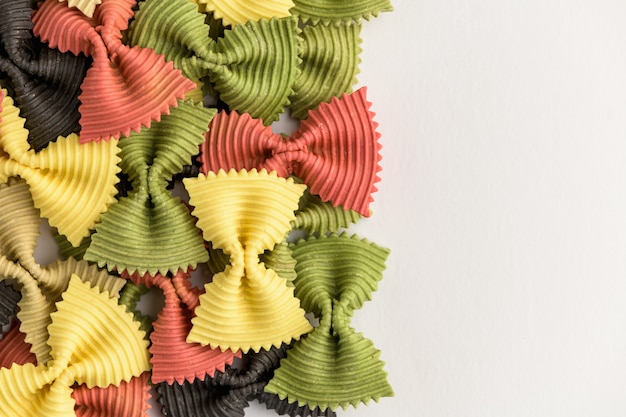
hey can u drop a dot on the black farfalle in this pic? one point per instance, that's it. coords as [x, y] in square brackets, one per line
[229, 393]
[44, 82]
[8, 301]
[282, 407]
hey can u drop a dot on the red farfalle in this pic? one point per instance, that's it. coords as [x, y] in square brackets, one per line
[130, 399]
[173, 358]
[125, 88]
[14, 349]
[335, 151]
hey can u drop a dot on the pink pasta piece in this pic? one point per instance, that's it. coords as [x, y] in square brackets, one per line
[125, 88]
[173, 359]
[335, 151]
[130, 399]
[14, 349]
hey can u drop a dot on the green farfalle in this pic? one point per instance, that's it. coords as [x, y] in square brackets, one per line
[313, 216]
[150, 230]
[318, 217]
[278, 259]
[40, 286]
[67, 250]
[330, 63]
[339, 11]
[253, 67]
[130, 296]
[336, 275]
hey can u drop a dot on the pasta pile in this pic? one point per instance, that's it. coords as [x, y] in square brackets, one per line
[143, 134]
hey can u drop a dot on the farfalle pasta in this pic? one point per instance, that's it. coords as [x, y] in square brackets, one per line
[148, 183]
[245, 213]
[150, 230]
[40, 286]
[101, 348]
[85, 6]
[125, 88]
[253, 67]
[44, 82]
[339, 11]
[229, 393]
[8, 301]
[234, 12]
[71, 184]
[336, 275]
[335, 151]
[330, 58]
[317, 217]
[129, 399]
[172, 358]
[313, 217]
[14, 349]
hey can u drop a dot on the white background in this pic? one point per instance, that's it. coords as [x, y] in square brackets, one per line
[502, 199]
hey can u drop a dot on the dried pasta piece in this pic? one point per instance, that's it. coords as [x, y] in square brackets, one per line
[339, 11]
[228, 393]
[85, 6]
[279, 260]
[335, 151]
[125, 88]
[202, 399]
[235, 12]
[8, 301]
[225, 395]
[318, 217]
[253, 67]
[97, 346]
[283, 407]
[71, 184]
[44, 82]
[40, 286]
[14, 349]
[336, 275]
[130, 296]
[247, 384]
[67, 250]
[172, 358]
[330, 64]
[130, 399]
[150, 230]
[247, 306]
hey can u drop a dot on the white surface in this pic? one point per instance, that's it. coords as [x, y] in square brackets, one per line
[502, 199]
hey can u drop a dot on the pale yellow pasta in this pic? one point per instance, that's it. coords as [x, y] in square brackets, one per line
[234, 12]
[72, 184]
[85, 6]
[93, 340]
[40, 286]
[247, 306]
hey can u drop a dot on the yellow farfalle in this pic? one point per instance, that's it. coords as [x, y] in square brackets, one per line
[234, 12]
[93, 340]
[72, 184]
[247, 306]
